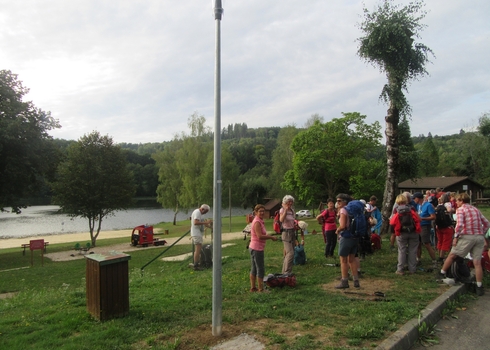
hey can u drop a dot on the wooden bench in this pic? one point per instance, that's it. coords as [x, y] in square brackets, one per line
[27, 245]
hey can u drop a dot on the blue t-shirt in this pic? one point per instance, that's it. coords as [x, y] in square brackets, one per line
[425, 211]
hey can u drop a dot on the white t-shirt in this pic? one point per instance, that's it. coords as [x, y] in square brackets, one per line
[196, 230]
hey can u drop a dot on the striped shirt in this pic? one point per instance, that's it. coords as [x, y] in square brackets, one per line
[470, 221]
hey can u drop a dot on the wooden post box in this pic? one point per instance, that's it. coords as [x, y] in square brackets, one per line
[107, 285]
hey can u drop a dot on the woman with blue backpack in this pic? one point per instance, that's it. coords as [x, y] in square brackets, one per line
[352, 224]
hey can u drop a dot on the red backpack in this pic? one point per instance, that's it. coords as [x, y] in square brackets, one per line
[277, 223]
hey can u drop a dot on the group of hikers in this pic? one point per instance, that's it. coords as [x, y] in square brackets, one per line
[441, 220]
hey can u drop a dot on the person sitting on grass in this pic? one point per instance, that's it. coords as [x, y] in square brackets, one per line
[257, 244]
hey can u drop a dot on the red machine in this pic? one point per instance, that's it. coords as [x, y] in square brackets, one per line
[142, 235]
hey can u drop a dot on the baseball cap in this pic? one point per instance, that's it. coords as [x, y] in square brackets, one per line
[418, 195]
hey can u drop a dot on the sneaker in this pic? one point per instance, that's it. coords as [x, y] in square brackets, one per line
[356, 284]
[400, 273]
[198, 268]
[440, 276]
[344, 283]
[360, 274]
[392, 248]
[480, 291]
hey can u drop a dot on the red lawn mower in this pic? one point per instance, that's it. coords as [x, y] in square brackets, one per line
[142, 236]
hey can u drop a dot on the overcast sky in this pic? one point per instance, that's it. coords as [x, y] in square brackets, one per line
[136, 70]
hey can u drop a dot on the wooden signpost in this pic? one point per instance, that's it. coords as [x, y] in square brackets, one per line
[37, 244]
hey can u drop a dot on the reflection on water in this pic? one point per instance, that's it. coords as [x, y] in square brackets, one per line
[46, 219]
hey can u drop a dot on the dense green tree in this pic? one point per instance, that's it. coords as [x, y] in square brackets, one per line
[27, 152]
[94, 181]
[388, 43]
[409, 158]
[484, 125]
[282, 160]
[429, 158]
[328, 156]
[170, 182]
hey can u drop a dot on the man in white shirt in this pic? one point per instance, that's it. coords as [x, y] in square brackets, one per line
[197, 229]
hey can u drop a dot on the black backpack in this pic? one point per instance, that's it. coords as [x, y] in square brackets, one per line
[206, 258]
[459, 270]
[406, 219]
[443, 218]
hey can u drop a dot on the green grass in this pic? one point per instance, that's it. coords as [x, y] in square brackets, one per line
[171, 305]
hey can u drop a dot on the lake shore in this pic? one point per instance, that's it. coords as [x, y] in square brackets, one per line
[64, 238]
[85, 237]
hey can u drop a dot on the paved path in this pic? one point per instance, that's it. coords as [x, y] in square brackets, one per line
[469, 331]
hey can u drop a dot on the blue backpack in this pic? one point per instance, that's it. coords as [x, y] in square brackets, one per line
[357, 220]
[299, 255]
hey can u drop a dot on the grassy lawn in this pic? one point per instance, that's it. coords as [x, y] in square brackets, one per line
[171, 305]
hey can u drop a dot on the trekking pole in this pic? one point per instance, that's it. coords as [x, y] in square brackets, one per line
[170, 246]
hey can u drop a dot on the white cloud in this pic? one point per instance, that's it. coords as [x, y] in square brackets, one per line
[137, 70]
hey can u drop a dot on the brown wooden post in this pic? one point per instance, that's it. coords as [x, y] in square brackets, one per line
[107, 285]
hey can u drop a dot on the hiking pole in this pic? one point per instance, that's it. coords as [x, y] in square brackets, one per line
[170, 246]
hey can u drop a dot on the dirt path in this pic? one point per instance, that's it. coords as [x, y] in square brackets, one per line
[126, 247]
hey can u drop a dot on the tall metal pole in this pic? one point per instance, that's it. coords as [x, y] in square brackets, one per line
[217, 297]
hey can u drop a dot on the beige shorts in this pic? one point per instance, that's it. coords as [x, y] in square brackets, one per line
[197, 240]
[469, 244]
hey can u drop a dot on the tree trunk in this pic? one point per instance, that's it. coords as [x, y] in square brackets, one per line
[392, 163]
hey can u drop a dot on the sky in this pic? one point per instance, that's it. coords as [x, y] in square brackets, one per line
[136, 70]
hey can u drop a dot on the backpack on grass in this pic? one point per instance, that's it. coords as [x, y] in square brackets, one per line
[299, 255]
[459, 270]
[357, 220]
[206, 258]
[406, 219]
[280, 280]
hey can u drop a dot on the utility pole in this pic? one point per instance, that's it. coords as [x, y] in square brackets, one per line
[217, 270]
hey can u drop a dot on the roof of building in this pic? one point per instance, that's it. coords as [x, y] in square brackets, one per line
[272, 204]
[434, 182]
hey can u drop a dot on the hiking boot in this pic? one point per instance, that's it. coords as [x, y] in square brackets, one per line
[344, 283]
[480, 291]
[356, 284]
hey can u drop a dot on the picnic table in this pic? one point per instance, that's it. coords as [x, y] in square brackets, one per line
[27, 245]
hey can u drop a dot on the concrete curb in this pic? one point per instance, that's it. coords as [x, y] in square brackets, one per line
[407, 335]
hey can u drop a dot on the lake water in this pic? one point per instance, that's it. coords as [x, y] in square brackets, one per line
[46, 220]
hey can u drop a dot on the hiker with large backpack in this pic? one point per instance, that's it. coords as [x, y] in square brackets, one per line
[352, 224]
[444, 226]
[406, 226]
[469, 232]
[258, 239]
